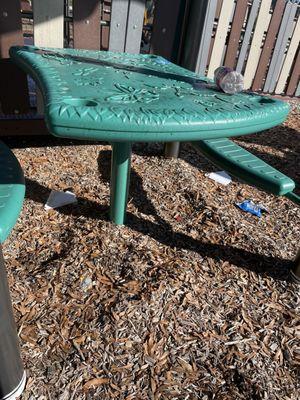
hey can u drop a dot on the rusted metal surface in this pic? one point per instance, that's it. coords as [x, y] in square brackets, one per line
[87, 31]
[235, 34]
[268, 45]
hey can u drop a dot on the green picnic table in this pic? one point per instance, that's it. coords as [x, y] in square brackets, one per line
[125, 98]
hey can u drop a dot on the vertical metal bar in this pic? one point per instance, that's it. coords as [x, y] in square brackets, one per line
[235, 34]
[119, 181]
[12, 374]
[247, 35]
[136, 12]
[86, 17]
[118, 25]
[268, 45]
[285, 31]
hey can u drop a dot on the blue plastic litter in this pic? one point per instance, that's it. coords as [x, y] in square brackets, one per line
[252, 208]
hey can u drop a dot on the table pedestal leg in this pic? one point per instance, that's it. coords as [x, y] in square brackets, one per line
[119, 181]
[172, 149]
[12, 374]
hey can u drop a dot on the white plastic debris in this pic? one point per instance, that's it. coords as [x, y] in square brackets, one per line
[220, 177]
[58, 199]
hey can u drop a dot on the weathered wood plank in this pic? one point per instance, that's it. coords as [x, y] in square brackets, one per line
[48, 29]
[86, 24]
[136, 12]
[235, 34]
[247, 35]
[10, 26]
[262, 23]
[268, 45]
[106, 13]
[288, 59]
[298, 90]
[203, 53]
[48, 25]
[221, 33]
[285, 32]
[294, 79]
[215, 22]
[118, 25]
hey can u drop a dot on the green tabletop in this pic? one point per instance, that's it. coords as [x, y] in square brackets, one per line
[136, 97]
[124, 98]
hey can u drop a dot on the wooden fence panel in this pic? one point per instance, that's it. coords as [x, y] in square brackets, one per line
[86, 24]
[298, 90]
[289, 59]
[262, 24]
[247, 35]
[221, 33]
[118, 25]
[285, 32]
[202, 59]
[215, 22]
[268, 45]
[48, 29]
[48, 23]
[235, 34]
[295, 75]
[13, 81]
[106, 13]
[136, 12]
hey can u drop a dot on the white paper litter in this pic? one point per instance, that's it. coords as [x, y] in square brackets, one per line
[220, 177]
[58, 199]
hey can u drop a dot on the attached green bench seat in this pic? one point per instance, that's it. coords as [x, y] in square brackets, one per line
[12, 191]
[247, 167]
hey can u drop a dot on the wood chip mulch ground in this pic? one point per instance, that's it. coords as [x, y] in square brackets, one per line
[190, 300]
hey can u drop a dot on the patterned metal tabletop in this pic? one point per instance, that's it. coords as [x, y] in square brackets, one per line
[137, 97]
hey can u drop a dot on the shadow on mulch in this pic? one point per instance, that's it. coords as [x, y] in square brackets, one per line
[35, 141]
[162, 231]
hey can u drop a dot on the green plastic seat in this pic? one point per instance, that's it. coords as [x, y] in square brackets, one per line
[245, 166]
[12, 190]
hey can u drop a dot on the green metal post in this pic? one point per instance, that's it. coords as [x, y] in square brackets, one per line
[119, 181]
